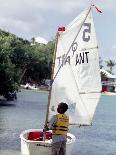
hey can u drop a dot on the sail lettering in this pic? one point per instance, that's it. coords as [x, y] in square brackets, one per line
[82, 58]
[62, 60]
[74, 47]
[67, 60]
[86, 32]
[59, 60]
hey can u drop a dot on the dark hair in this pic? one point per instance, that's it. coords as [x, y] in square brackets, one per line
[63, 106]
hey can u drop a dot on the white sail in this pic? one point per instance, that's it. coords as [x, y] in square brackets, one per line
[76, 74]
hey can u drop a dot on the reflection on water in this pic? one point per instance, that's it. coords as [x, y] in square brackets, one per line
[28, 112]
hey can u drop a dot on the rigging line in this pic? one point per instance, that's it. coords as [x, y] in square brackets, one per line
[72, 44]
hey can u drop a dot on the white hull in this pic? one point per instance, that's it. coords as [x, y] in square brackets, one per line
[31, 147]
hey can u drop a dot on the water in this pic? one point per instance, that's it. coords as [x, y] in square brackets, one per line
[100, 139]
[28, 112]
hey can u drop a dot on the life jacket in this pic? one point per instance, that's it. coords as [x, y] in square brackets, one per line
[61, 126]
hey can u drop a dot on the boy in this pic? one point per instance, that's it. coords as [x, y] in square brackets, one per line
[59, 125]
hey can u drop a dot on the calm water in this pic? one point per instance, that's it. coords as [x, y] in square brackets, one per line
[28, 112]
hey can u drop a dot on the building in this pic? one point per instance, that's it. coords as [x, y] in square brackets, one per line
[108, 81]
[39, 40]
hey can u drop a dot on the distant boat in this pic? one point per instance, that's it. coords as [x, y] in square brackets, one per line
[28, 86]
[75, 80]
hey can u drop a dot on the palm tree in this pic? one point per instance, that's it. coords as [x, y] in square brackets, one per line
[100, 62]
[110, 64]
[33, 41]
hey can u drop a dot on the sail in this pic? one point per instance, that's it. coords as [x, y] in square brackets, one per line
[76, 73]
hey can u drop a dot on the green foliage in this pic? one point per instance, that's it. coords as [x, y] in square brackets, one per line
[40, 65]
[13, 57]
[110, 64]
[21, 62]
[8, 77]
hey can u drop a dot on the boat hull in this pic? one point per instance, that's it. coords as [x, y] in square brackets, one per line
[30, 146]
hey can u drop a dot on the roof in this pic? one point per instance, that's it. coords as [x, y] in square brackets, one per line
[107, 74]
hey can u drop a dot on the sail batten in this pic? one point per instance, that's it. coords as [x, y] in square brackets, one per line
[76, 73]
[89, 92]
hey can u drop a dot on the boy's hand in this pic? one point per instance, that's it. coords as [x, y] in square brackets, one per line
[45, 128]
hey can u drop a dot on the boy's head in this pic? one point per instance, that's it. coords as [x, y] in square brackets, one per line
[62, 108]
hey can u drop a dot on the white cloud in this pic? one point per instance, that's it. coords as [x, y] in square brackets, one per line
[31, 17]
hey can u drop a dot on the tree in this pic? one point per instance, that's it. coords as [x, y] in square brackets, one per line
[8, 77]
[20, 56]
[21, 61]
[110, 64]
[40, 65]
[13, 56]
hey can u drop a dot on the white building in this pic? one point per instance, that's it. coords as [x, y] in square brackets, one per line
[108, 81]
[41, 40]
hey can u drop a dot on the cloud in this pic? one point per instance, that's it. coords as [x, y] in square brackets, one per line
[28, 18]
[32, 18]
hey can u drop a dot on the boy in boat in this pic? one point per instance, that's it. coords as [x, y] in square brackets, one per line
[59, 125]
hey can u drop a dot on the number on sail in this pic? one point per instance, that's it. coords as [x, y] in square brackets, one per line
[86, 32]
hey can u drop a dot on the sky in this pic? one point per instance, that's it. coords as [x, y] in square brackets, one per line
[33, 18]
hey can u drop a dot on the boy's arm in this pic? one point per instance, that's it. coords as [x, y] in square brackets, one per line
[50, 124]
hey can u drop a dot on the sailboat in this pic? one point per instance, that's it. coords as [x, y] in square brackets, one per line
[75, 80]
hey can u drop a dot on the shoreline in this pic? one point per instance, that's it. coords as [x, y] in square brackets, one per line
[45, 89]
[109, 93]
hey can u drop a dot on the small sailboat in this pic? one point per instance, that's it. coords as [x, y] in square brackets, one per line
[75, 80]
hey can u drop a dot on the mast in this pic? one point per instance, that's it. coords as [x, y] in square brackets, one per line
[53, 64]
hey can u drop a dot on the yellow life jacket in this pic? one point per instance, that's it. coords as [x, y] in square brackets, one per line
[61, 126]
